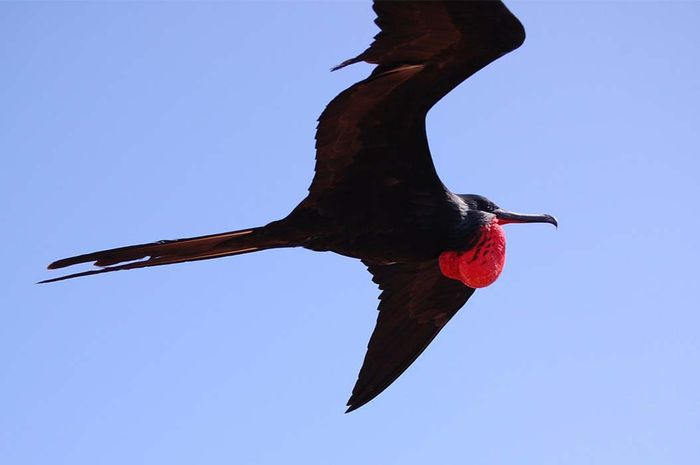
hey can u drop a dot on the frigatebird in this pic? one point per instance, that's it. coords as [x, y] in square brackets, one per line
[376, 195]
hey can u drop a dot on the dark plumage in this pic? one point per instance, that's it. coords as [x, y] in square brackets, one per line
[376, 195]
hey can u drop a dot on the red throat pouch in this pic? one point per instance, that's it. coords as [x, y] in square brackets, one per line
[481, 265]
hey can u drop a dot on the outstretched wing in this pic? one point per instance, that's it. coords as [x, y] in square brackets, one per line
[415, 303]
[371, 144]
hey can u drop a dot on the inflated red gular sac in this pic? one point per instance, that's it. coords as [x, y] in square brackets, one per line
[481, 265]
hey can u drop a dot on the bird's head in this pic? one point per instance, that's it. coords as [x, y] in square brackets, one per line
[490, 212]
[481, 264]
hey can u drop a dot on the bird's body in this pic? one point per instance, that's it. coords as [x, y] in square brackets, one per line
[376, 195]
[397, 234]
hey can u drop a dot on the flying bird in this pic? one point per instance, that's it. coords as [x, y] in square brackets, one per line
[375, 195]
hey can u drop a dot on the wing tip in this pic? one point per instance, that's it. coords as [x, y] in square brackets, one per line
[354, 404]
[360, 399]
[351, 61]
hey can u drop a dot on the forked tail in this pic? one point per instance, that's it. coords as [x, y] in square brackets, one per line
[171, 251]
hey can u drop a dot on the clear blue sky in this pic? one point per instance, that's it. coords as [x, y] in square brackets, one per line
[125, 123]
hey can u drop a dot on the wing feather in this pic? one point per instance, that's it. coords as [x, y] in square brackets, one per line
[415, 304]
[371, 144]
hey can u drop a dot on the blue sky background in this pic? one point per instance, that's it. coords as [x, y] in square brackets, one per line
[130, 122]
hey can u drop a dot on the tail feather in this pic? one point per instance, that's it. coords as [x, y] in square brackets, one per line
[170, 251]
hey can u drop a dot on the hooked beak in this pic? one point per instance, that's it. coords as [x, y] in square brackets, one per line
[505, 217]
